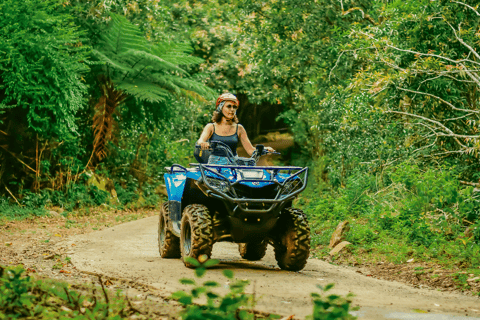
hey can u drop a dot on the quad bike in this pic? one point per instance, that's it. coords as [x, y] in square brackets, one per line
[242, 203]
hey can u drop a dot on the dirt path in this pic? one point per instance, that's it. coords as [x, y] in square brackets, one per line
[130, 251]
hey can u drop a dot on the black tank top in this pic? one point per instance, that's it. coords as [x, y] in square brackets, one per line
[231, 141]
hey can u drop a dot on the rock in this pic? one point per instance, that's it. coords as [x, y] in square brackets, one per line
[339, 234]
[339, 247]
[103, 183]
[473, 279]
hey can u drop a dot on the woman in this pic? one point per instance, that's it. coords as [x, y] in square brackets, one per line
[225, 128]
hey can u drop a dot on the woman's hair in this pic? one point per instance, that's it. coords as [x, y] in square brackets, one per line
[217, 117]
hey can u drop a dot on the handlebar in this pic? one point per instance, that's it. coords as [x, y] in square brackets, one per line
[226, 148]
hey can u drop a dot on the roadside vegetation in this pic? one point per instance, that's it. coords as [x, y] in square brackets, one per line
[25, 297]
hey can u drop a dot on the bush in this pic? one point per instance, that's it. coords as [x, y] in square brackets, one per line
[23, 297]
[236, 304]
[331, 307]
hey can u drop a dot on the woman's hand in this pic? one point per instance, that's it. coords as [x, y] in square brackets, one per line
[269, 149]
[205, 145]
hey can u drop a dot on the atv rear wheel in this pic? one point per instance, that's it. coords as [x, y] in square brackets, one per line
[196, 234]
[168, 243]
[292, 245]
[253, 251]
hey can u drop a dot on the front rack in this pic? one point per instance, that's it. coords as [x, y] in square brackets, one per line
[243, 202]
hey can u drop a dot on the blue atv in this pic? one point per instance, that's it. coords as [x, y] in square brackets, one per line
[241, 202]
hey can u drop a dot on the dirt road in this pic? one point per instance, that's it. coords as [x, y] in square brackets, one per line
[130, 251]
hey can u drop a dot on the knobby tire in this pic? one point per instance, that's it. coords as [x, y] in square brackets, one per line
[292, 247]
[253, 251]
[169, 246]
[196, 236]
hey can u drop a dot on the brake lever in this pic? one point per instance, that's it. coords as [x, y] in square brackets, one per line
[269, 152]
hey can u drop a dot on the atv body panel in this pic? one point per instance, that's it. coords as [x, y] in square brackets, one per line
[246, 201]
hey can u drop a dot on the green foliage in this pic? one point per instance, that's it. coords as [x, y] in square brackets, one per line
[23, 297]
[149, 72]
[41, 88]
[235, 304]
[420, 75]
[330, 307]
[43, 60]
[401, 210]
[12, 211]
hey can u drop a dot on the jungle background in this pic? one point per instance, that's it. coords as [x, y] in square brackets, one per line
[381, 99]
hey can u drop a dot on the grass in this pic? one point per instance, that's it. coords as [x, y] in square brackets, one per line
[397, 225]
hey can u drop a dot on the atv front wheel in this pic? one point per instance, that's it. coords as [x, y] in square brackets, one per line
[168, 243]
[196, 234]
[292, 245]
[253, 251]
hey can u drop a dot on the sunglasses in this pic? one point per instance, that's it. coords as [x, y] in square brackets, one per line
[231, 106]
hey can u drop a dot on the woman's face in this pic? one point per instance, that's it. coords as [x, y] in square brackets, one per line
[229, 109]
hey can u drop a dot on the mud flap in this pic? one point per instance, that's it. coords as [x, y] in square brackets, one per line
[175, 216]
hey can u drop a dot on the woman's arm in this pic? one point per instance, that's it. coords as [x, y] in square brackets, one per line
[247, 145]
[206, 134]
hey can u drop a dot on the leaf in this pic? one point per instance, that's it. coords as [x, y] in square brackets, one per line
[179, 294]
[228, 273]
[192, 261]
[211, 284]
[212, 295]
[187, 300]
[211, 263]
[329, 286]
[187, 281]
[245, 315]
[198, 291]
[199, 272]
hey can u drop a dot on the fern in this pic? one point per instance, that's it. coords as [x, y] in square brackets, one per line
[132, 66]
[145, 91]
[139, 64]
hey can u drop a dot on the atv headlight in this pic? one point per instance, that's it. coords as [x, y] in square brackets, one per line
[219, 185]
[251, 174]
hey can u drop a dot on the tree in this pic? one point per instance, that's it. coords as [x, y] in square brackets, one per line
[42, 61]
[132, 66]
[422, 71]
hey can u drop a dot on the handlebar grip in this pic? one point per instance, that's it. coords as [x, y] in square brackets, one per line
[197, 146]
